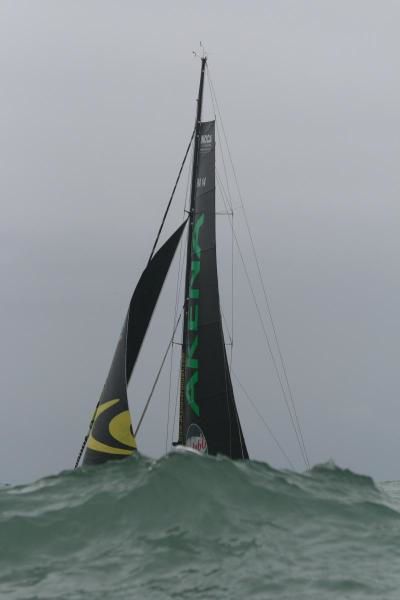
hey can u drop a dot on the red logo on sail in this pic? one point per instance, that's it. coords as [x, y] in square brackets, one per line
[195, 439]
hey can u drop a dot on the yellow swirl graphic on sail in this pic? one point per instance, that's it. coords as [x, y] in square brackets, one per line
[120, 428]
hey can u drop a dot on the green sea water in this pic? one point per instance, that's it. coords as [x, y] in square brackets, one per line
[188, 527]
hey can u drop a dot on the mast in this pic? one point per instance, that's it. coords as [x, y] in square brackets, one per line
[208, 418]
[197, 133]
[196, 149]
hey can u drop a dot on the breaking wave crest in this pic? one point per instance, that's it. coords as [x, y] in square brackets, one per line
[186, 526]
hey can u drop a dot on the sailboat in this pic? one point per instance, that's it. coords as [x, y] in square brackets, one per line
[208, 418]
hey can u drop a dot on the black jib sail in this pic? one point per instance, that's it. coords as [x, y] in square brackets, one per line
[209, 421]
[111, 436]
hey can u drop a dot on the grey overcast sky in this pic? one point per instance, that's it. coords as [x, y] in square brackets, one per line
[97, 102]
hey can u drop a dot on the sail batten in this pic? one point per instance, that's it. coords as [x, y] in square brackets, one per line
[111, 436]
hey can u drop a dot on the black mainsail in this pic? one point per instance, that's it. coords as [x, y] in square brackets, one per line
[209, 420]
[111, 435]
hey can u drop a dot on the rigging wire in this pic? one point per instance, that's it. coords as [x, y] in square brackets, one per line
[294, 418]
[157, 378]
[228, 196]
[178, 289]
[213, 94]
[172, 195]
[270, 347]
[85, 439]
[259, 271]
[264, 422]
[232, 290]
[229, 329]
[226, 329]
[268, 344]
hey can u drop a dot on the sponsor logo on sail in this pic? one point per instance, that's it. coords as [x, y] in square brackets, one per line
[195, 439]
[206, 139]
[112, 425]
[206, 143]
[192, 361]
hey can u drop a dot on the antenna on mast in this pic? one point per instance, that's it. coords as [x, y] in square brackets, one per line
[203, 54]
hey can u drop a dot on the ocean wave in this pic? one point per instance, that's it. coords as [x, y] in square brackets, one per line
[187, 526]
